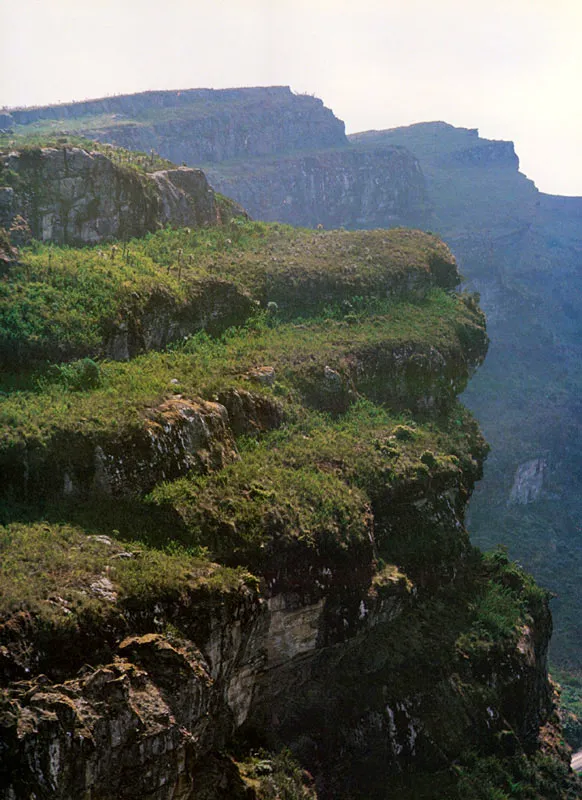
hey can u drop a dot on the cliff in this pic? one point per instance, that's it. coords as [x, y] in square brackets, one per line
[238, 567]
[521, 250]
[338, 188]
[198, 125]
[285, 157]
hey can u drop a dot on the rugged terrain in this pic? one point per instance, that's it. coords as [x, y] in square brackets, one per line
[235, 551]
[78, 193]
[287, 158]
[522, 251]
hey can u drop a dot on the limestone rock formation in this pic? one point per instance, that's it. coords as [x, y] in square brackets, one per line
[281, 155]
[69, 195]
[308, 585]
[528, 482]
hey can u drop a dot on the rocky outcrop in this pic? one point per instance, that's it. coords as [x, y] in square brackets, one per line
[149, 720]
[72, 196]
[324, 667]
[528, 482]
[178, 437]
[212, 305]
[374, 640]
[228, 131]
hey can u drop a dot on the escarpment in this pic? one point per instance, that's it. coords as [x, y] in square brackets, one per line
[238, 566]
[286, 157]
[200, 125]
[283, 156]
[376, 188]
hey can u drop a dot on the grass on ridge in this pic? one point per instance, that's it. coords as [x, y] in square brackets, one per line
[70, 300]
[203, 366]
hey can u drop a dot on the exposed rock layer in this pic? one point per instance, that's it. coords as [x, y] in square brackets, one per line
[71, 196]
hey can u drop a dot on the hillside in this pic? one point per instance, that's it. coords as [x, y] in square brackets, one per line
[194, 125]
[288, 159]
[285, 157]
[238, 486]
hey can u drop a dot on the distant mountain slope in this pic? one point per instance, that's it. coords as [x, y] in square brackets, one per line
[283, 156]
[197, 125]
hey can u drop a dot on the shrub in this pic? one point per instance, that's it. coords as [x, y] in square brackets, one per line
[78, 376]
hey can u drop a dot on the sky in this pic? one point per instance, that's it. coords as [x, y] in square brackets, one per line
[510, 68]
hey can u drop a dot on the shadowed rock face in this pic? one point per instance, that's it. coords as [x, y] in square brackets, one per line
[521, 250]
[179, 436]
[339, 188]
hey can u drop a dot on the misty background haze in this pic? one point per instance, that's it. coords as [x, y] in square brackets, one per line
[508, 67]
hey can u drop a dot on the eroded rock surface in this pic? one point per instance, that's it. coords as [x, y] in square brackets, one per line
[69, 195]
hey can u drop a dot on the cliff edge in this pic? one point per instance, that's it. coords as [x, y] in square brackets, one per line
[237, 566]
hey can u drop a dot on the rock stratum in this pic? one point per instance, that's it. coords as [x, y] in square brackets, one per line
[281, 155]
[234, 554]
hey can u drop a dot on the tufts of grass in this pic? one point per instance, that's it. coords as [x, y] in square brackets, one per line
[506, 599]
[310, 487]
[299, 353]
[59, 573]
[64, 303]
[39, 136]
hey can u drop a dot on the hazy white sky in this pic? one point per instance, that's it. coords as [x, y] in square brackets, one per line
[511, 68]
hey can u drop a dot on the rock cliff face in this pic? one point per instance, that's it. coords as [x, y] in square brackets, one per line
[521, 250]
[338, 188]
[202, 125]
[292, 578]
[262, 147]
[68, 195]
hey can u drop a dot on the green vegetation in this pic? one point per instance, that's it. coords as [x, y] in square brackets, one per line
[45, 136]
[305, 491]
[538, 777]
[66, 597]
[359, 342]
[570, 683]
[203, 366]
[43, 561]
[510, 597]
[62, 303]
[277, 777]
[310, 487]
